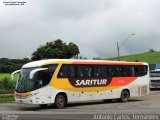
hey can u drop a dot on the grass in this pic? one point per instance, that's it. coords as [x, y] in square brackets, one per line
[149, 57]
[4, 91]
[8, 75]
[7, 99]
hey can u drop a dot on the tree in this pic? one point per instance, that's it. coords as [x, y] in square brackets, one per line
[9, 65]
[152, 50]
[56, 49]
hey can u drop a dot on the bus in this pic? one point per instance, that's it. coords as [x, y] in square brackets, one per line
[155, 78]
[63, 81]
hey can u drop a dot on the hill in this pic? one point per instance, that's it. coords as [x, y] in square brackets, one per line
[149, 57]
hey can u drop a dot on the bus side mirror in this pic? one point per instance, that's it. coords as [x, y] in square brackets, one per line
[33, 72]
[12, 75]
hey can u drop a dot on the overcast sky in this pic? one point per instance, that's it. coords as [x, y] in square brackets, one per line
[94, 25]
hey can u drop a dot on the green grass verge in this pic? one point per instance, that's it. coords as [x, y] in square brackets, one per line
[8, 75]
[149, 57]
[9, 83]
[3, 91]
[6, 99]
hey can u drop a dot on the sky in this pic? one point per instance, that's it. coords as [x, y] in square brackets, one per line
[94, 25]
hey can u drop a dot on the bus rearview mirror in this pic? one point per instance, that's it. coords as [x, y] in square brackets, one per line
[12, 75]
[33, 72]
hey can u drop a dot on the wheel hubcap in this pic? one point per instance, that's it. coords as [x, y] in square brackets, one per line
[61, 102]
[125, 95]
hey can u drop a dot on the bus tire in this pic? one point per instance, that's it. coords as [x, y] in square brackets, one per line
[125, 96]
[60, 101]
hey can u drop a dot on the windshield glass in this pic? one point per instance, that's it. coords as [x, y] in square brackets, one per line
[155, 74]
[40, 79]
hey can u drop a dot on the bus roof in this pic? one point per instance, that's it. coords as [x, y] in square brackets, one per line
[78, 61]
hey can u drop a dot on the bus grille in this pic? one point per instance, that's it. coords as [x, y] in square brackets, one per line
[155, 83]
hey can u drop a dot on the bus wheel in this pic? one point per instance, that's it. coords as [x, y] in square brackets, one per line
[60, 101]
[125, 96]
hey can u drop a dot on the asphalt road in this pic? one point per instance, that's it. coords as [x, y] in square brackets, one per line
[137, 108]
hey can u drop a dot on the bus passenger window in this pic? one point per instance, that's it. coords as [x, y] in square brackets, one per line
[84, 71]
[67, 71]
[63, 72]
[141, 70]
[104, 72]
[127, 71]
[110, 71]
[96, 71]
[117, 71]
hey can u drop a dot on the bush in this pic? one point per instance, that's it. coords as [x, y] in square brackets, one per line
[4, 91]
[6, 95]
[9, 65]
[7, 84]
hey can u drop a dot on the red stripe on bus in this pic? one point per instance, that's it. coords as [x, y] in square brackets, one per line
[121, 81]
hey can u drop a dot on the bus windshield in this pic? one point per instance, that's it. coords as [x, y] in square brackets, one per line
[40, 79]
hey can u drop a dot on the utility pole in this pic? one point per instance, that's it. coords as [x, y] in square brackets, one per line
[118, 47]
[118, 51]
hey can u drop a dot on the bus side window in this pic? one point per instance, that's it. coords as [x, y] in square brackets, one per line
[44, 77]
[63, 72]
[123, 71]
[115, 71]
[40, 79]
[96, 71]
[141, 70]
[110, 71]
[79, 72]
[136, 70]
[144, 70]
[84, 71]
[128, 71]
[90, 72]
[118, 71]
[67, 71]
[104, 72]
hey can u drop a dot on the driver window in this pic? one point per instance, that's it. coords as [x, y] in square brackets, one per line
[40, 79]
[44, 77]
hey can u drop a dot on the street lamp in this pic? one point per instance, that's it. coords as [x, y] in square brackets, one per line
[118, 47]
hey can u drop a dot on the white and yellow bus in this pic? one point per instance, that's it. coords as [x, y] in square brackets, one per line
[62, 81]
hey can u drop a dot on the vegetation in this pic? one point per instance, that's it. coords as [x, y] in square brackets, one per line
[7, 87]
[8, 75]
[9, 65]
[4, 91]
[149, 57]
[6, 84]
[6, 99]
[6, 95]
[56, 49]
